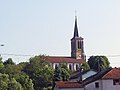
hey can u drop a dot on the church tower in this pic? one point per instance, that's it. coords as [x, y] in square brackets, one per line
[77, 45]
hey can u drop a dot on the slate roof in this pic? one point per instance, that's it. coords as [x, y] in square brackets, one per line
[96, 76]
[59, 59]
[75, 74]
[76, 29]
[112, 74]
[78, 73]
[67, 84]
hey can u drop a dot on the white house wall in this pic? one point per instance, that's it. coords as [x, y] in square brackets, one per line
[103, 85]
[108, 85]
[91, 86]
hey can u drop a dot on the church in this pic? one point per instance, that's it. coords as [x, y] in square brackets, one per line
[77, 53]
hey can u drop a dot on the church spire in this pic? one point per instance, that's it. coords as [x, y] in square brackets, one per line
[75, 28]
[77, 44]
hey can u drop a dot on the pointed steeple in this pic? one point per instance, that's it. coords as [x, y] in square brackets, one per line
[75, 28]
[77, 44]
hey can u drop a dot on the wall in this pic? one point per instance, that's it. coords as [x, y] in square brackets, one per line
[108, 85]
[103, 85]
[91, 86]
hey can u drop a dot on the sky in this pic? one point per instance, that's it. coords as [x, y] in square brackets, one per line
[33, 27]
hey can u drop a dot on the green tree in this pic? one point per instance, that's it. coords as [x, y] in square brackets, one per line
[85, 66]
[98, 63]
[16, 72]
[65, 72]
[12, 70]
[1, 65]
[14, 85]
[25, 81]
[7, 83]
[40, 72]
[3, 81]
[57, 74]
[9, 61]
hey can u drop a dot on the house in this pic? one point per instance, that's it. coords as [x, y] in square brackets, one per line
[108, 79]
[77, 53]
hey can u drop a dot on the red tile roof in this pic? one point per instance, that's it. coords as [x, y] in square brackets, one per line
[55, 59]
[112, 74]
[66, 84]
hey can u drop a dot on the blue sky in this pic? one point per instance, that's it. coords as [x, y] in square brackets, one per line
[34, 27]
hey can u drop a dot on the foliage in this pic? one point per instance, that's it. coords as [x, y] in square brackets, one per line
[85, 66]
[14, 85]
[65, 73]
[16, 77]
[57, 74]
[98, 63]
[1, 65]
[25, 81]
[3, 81]
[12, 70]
[40, 72]
[61, 73]
[9, 61]
[7, 83]
[1, 59]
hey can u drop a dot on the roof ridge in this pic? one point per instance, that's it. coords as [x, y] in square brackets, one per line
[107, 73]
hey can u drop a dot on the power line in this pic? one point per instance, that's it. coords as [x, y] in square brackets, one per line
[11, 54]
[8, 54]
[105, 55]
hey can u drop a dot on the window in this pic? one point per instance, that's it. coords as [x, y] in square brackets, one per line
[116, 82]
[70, 66]
[56, 65]
[96, 84]
[79, 45]
[77, 67]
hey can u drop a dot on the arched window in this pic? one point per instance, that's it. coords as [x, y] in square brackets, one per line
[70, 66]
[56, 65]
[77, 67]
[79, 45]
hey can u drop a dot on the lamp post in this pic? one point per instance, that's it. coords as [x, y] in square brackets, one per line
[1, 44]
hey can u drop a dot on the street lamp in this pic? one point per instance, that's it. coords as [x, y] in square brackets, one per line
[2, 45]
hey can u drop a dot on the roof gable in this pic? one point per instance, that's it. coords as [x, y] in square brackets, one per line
[112, 74]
